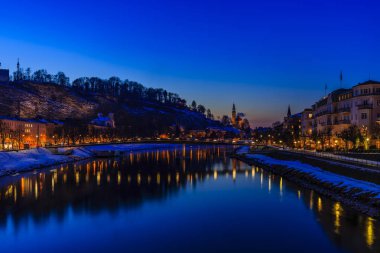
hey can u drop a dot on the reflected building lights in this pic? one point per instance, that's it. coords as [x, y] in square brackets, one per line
[77, 178]
[36, 190]
[98, 178]
[15, 194]
[138, 178]
[370, 233]
[337, 210]
[319, 204]
[311, 202]
[269, 183]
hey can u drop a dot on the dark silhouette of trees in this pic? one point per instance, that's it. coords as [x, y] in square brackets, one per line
[351, 134]
[201, 109]
[194, 105]
[225, 120]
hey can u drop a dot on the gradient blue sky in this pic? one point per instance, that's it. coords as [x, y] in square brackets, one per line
[263, 55]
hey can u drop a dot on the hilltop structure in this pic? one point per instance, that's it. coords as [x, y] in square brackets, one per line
[4, 75]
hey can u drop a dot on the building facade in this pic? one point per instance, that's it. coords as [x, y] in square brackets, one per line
[16, 133]
[342, 108]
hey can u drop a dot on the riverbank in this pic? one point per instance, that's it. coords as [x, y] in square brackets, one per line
[361, 195]
[14, 162]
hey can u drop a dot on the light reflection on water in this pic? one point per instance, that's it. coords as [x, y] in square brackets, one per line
[138, 178]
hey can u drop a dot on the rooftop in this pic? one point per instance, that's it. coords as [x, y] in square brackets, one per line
[368, 82]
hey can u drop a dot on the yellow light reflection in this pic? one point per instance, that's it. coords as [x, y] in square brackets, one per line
[337, 209]
[269, 183]
[319, 204]
[36, 190]
[77, 178]
[15, 194]
[311, 203]
[215, 174]
[370, 233]
[98, 177]
[138, 178]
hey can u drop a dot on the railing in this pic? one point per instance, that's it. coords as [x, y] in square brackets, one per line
[365, 106]
[344, 121]
[337, 157]
[345, 109]
[322, 113]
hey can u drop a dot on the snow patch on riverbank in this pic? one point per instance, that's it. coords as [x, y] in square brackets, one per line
[12, 162]
[27, 160]
[320, 174]
[242, 150]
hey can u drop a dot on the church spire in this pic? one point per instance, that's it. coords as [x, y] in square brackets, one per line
[289, 112]
[233, 116]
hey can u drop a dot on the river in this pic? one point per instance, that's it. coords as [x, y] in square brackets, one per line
[180, 199]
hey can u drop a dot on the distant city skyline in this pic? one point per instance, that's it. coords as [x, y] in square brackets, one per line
[261, 55]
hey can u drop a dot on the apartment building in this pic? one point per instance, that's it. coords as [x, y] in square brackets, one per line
[359, 105]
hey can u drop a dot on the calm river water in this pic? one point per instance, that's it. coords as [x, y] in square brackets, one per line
[184, 199]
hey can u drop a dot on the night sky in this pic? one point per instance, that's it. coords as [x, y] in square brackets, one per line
[263, 55]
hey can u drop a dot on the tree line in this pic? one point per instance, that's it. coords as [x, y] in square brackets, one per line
[113, 86]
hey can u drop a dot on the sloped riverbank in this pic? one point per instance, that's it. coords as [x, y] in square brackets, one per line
[358, 194]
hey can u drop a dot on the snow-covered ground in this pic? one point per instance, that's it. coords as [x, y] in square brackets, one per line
[321, 175]
[12, 162]
[26, 160]
[242, 150]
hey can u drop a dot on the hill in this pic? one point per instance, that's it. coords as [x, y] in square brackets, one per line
[134, 114]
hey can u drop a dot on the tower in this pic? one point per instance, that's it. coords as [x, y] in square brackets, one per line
[233, 117]
[17, 75]
[289, 112]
